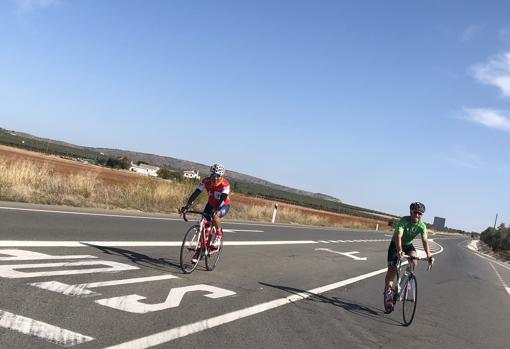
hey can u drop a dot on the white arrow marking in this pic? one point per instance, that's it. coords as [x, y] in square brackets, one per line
[41, 329]
[132, 304]
[348, 254]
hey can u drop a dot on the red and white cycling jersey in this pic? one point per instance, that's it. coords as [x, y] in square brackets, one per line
[215, 190]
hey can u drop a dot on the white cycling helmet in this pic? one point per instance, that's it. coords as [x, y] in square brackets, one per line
[217, 169]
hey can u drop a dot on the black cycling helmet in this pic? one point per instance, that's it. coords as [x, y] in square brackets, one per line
[417, 206]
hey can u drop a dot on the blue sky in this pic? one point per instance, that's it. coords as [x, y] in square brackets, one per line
[378, 103]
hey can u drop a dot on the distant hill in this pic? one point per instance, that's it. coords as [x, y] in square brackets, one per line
[28, 141]
[241, 183]
[181, 165]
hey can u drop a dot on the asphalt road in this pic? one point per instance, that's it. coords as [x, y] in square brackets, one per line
[93, 279]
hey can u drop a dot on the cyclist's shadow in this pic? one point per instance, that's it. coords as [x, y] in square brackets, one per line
[139, 258]
[357, 309]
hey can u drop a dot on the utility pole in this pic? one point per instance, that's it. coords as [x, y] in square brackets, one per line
[495, 221]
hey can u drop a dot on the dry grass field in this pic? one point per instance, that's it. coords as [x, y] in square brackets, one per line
[32, 177]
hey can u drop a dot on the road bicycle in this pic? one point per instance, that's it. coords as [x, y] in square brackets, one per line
[405, 289]
[196, 244]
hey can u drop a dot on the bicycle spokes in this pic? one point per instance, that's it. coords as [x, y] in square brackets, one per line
[191, 249]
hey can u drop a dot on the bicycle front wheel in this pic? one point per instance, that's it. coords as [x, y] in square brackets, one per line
[191, 249]
[409, 300]
[213, 256]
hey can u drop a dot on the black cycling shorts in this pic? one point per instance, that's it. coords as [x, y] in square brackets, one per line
[223, 209]
[392, 252]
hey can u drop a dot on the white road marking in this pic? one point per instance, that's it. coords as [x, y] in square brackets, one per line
[65, 289]
[186, 330]
[11, 271]
[242, 230]
[82, 290]
[500, 279]
[293, 226]
[23, 243]
[473, 246]
[348, 254]
[41, 330]
[23, 255]
[27, 243]
[89, 214]
[131, 303]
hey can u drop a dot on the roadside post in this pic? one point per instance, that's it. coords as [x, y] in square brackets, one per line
[274, 213]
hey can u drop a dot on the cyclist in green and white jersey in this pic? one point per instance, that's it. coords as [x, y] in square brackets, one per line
[402, 243]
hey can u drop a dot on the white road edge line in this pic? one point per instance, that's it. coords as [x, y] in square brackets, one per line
[491, 259]
[500, 278]
[226, 221]
[41, 329]
[185, 330]
[88, 213]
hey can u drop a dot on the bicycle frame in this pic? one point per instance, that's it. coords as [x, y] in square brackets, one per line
[402, 276]
[207, 229]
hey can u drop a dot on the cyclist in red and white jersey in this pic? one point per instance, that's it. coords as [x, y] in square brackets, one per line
[218, 203]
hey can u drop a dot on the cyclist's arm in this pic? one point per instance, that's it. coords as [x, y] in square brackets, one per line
[398, 242]
[223, 197]
[425, 243]
[193, 197]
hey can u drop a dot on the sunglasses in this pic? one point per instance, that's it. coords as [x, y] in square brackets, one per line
[215, 176]
[418, 213]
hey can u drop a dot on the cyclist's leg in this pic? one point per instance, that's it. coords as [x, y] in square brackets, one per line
[411, 251]
[208, 213]
[392, 266]
[219, 214]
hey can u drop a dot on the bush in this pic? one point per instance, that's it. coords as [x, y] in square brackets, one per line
[497, 239]
[122, 163]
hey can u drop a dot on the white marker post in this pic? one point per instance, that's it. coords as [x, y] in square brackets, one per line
[274, 213]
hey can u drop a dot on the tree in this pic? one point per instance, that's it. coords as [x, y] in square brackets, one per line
[122, 162]
[164, 173]
[502, 226]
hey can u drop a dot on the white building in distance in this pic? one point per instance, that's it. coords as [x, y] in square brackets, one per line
[191, 174]
[144, 169]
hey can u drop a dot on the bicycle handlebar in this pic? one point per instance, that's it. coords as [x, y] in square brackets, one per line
[430, 260]
[189, 211]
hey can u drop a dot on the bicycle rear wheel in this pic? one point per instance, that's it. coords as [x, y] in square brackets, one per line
[409, 299]
[191, 247]
[213, 256]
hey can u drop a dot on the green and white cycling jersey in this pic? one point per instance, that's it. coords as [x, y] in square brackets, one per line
[409, 230]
